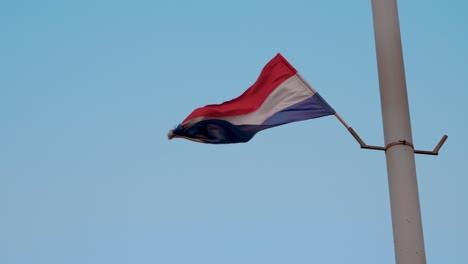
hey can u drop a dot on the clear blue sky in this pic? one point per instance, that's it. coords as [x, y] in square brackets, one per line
[89, 89]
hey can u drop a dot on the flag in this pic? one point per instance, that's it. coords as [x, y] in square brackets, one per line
[279, 96]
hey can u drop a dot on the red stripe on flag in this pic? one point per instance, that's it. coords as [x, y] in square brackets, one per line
[273, 74]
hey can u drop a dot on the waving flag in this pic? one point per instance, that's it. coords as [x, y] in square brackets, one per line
[279, 96]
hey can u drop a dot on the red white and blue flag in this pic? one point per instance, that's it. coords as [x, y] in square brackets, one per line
[279, 96]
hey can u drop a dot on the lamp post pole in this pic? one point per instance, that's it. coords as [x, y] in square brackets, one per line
[401, 169]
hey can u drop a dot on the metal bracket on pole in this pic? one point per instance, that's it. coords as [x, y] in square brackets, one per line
[400, 142]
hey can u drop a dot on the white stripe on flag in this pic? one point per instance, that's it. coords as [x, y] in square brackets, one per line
[288, 93]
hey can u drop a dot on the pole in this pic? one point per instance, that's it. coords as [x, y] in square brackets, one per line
[401, 169]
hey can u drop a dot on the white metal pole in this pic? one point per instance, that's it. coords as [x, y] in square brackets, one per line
[401, 169]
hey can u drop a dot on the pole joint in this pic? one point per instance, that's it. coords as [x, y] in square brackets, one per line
[399, 142]
[363, 145]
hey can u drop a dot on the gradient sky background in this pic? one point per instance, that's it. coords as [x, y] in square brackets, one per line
[89, 89]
